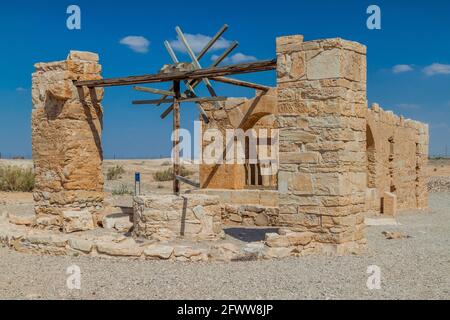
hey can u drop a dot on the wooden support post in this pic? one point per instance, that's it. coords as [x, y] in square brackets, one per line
[176, 140]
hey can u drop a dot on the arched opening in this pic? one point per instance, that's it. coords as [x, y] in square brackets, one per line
[371, 158]
[261, 175]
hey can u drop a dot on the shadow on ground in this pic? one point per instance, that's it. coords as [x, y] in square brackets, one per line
[249, 234]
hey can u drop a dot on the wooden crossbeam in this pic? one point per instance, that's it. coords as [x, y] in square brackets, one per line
[195, 99]
[187, 181]
[240, 68]
[241, 83]
[155, 91]
[195, 83]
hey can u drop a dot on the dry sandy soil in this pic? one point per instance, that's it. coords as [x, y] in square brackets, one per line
[417, 267]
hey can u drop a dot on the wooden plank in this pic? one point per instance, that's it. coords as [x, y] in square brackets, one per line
[152, 101]
[241, 83]
[195, 83]
[200, 55]
[204, 99]
[195, 99]
[194, 60]
[190, 89]
[155, 91]
[222, 57]
[212, 41]
[240, 68]
[187, 181]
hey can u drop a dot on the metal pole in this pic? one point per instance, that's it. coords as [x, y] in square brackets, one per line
[176, 140]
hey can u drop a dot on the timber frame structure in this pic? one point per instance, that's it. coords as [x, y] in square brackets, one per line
[191, 79]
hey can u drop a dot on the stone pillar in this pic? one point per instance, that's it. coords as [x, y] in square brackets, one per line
[66, 138]
[322, 104]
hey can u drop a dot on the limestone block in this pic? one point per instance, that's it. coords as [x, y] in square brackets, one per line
[299, 238]
[82, 55]
[126, 248]
[158, 251]
[324, 65]
[110, 221]
[81, 244]
[276, 240]
[389, 204]
[77, 221]
[20, 219]
[277, 252]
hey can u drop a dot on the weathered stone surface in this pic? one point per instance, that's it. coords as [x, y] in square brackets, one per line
[276, 240]
[277, 253]
[66, 141]
[226, 252]
[20, 219]
[166, 217]
[77, 221]
[118, 221]
[299, 238]
[127, 248]
[158, 251]
[81, 244]
[389, 204]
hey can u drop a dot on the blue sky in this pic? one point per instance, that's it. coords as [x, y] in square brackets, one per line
[408, 59]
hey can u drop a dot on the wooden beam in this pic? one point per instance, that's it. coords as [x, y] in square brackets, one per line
[176, 137]
[195, 62]
[195, 83]
[241, 83]
[204, 99]
[195, 99]
[153, 101]
[222, 57]
[155, 91]
[240, 68]
[187, 181]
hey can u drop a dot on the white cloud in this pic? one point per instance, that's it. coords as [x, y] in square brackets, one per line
[236, 58]
[409, 106]
[400, 68]
[21, 89]
[136, 43]
[197, 42]
[437, 68]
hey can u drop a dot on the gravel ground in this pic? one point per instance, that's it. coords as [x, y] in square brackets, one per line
[413, 268]
[439, 184]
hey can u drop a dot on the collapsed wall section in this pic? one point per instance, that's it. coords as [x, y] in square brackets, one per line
[66, 142]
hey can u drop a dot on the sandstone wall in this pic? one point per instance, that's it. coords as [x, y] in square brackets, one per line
[247, 207]
[237, 113]
[167, 217]
[66, 138]
[321, 118]
[397, 158]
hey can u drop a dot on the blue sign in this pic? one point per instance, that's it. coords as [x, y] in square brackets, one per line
[137, 177]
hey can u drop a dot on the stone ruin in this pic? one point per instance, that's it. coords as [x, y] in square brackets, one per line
[337, 159]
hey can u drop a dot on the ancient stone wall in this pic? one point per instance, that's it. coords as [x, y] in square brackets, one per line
[397, 151]
[168, 217]
[321, 118]
[237, 113]
[66, 137]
